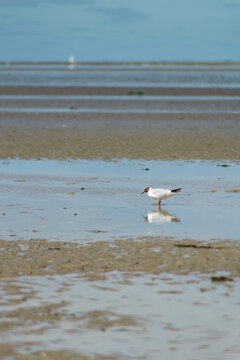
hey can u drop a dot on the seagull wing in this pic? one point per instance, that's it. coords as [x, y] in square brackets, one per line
[161, 193]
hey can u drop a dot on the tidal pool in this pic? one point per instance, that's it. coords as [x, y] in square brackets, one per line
[133, 317]
[97, 200]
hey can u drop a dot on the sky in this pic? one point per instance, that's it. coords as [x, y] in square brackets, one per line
[120, 30]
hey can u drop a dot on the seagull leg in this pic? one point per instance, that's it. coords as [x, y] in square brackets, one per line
[159, 202]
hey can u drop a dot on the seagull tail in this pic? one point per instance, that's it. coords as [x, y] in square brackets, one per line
[176, 190]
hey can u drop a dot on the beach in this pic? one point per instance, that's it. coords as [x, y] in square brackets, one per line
[90, 268]
[189, 112]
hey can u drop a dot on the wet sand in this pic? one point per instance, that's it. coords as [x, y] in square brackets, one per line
[111, 136]
[93, 262]
[147, 255]
[118, 90]
[151, 111]
[35, 259]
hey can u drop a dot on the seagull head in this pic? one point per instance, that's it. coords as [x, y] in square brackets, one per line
[145, 190]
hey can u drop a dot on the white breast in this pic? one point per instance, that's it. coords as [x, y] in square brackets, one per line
[159, 194]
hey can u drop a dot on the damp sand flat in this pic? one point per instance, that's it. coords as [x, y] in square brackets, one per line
[90, 112]
[107, 136]
[91, 269]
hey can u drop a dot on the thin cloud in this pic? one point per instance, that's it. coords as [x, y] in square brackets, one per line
[231, 5]
[121, 14]
[15, 3]
[78, 28]
[34, 3]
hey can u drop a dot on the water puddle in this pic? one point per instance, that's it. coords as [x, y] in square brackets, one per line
[137, 317]
[97, 200]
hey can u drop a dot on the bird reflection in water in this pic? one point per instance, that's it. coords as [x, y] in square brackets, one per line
[160, 216]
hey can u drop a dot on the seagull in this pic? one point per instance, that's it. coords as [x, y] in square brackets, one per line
[160, 194]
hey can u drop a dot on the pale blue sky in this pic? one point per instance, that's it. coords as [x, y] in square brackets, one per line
[120, 30]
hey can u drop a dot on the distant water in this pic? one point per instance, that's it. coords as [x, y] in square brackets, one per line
[222, 80]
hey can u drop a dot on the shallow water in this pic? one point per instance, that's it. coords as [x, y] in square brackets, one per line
[208, 89]
[179, 317]
[97, 200]
[126, 75]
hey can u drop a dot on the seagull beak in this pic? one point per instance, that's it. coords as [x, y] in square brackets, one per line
[143, 192]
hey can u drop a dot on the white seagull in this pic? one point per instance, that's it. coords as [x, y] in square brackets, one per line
[160, 194]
